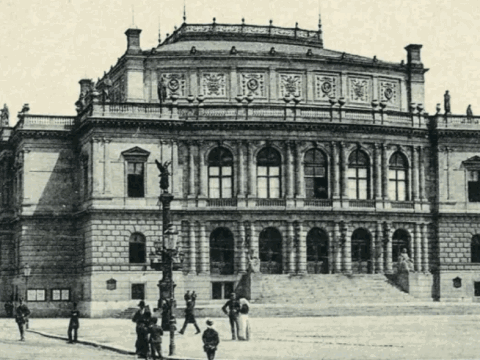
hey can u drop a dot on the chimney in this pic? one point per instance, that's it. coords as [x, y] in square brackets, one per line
[133, 41]
[413, 54]
[85, 86]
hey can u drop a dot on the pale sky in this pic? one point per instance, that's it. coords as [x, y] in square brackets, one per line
[47, 46]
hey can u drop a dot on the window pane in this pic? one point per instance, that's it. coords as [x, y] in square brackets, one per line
[138, 168]
[362, 173]
[309, 187]
[352, 189]
[66, 295]
[226, 193]
[274, 171]
[401, 175]
[213, 187]
[391, 174]
[401, 191]
[363, 192]
[262, 171]
[226, 170]
[392, 191]
[131, 168]
[135, 186]
[351, 173]
[214, 171]
[262, 188]
[56, 295]
[320, 172]
[274, 187]
[309, 171]
[215, 193]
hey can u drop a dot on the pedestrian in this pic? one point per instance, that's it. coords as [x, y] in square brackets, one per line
[139, 319]
[190, 313]
[9, 308]
[210, 340]
[243, 321]
[233, 309]
[21, 317]
[73, 325]
[155, 340]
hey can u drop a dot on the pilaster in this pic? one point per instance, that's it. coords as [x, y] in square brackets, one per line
[343, 170]
[388, 248]
[202, 173]
[241, 250]
[384, 172]
[337, 239]
[96, 169]
[421, 166]
[290, 171]
[347, 248]
[204, 249]
[418, 248]
[106, 167]
[192, 264]
[301, 240]
[300, 193]
[290, 247]
[415, 188]
[379, 248]
[191, 170]
[252, 188]
[335, 171]
[241, 170]
[378, 172]
[425, 254]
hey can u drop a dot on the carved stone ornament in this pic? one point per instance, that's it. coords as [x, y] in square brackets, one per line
[360, 90]
[175, 83]
[388, 92]
[290, 84]
[325, 87]
[111, 284]
[457, 282]
[214, 85]
[253, 84]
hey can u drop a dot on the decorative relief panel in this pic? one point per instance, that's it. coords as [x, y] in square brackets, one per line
[214, 85]
[291, 84]
[253, 84]
[388, 91]
[360, 90]
[326, 86]
[175, 83]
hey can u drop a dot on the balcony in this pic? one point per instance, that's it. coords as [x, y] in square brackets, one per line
[402, 204]
[271, 203]
[362, 203]
[47, 122]
[222, 202]
[318, 202]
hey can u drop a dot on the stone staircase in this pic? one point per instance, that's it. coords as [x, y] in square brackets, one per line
[327, 289]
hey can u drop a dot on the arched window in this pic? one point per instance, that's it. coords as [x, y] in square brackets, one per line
[316, 179]
[475, 248]
[220, 173]
[358, 175]
[221, 251]
[398, 177]
[361, 258]
[268, 173]
[137, 249]
[270, 244]
[400, 241]
[317, 251]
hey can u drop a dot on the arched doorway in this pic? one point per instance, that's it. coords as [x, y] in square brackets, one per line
[221, 251]
[270, 244]
[317, 251]
[361, 259]
[400, 241]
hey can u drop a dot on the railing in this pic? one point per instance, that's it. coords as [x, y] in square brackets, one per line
[402, 205]
[460, 122]
[362, 203]
[36, 122]
[221, 202]
[271, 202]
[318, 202]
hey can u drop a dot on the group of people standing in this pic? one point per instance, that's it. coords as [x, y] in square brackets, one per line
[237, 311]
[149, 333]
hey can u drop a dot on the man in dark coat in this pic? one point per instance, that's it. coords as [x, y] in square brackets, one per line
[233, 308]
[155, 340]
[73, 325]
[190, 314]
[210, 340]
[21, 317]
[141, 329]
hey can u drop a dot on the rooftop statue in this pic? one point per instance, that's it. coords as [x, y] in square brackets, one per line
[4, 115]
[469, 111]
[162, 91]
[446, 103]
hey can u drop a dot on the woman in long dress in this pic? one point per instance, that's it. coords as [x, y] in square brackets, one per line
[243, 322]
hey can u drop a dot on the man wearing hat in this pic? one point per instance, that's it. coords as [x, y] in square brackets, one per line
[210, 340]
[139, 319]
[21, 317]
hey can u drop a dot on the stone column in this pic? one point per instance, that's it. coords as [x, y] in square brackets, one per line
[234, 88]
[335, 171]
[252, 188]
[300, 172]
[414, 174]
[379, 248]
[384, 172]
[347, 249]
[425, 252]
[290, 170]
[106, 162]
[337, 238]
[418, 249]
[344, 169]
[241, 170]
[378, 172]
[96, 177]
[302, 248]
[388, 249]
[202, 173]
[204, 249]
[191, 170]
[192, 264]
[373, 254]
[291, 248]
[175, 178]
[242, 261]
[254, 240]
[421, 166]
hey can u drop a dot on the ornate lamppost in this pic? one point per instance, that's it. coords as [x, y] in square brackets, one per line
[170, 258]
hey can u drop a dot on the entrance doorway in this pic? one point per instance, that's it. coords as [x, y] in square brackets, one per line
[317, 251]
[361, 258]
[270, 244]
[221, 252]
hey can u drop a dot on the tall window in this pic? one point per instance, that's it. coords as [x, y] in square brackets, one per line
[358, 175]
[473, 185]
[475, 248]
[268, 173]
[137, 253]
[398, 175]
[220, 173]
[316, 181]
[136, 187]
[222, 251]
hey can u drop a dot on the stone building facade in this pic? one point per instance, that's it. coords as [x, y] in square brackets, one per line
[312, 160]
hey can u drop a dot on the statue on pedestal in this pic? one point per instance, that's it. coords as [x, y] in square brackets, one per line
[469, 111]
[446, 103]
[164, 174]
[404, 262]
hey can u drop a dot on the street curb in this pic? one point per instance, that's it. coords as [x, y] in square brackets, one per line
[103, 346]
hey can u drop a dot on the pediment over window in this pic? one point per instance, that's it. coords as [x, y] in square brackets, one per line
[136, 153]
[472, 164]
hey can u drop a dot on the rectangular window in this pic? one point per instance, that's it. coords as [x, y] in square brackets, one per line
[60, 294]
[476, 285]
[135, 180]
[473, 186]
[36, 295]
[138, 291]
[222, 290]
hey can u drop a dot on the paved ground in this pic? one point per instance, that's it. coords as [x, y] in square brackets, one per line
[357, 337]
[37, 347]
